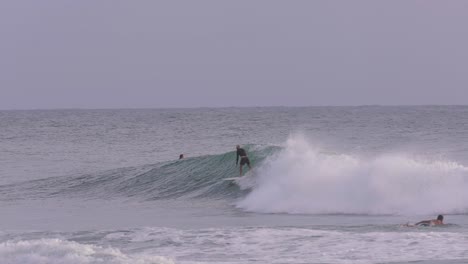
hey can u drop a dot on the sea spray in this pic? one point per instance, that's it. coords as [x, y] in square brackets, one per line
[302, 178]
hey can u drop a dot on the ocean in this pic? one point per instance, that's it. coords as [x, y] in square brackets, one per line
[327, 185]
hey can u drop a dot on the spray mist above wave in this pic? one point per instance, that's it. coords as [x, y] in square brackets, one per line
[302, 179]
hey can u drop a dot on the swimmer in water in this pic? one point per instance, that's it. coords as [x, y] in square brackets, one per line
[433, 222]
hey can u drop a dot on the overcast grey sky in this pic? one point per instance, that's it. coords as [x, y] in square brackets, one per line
[119, 54]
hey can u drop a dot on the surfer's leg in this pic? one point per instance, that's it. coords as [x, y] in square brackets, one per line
[240, 170]
[245, 160]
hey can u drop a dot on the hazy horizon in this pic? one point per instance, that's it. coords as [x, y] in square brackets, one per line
[221, 107]
[119, 55]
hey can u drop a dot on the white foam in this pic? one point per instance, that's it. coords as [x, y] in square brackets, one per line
[247, 244]
[301, 245]
[57, 251]
[302, 179]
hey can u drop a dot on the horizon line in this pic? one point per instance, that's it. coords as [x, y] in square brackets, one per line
[225, 107]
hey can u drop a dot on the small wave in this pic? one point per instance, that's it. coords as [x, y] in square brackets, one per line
[55, 251]
[358, 244]
[302, 179]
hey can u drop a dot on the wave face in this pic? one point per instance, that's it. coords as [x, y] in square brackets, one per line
[302, 179]
[197, 177]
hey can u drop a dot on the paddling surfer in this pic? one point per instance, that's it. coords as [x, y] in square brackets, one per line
[433, 222]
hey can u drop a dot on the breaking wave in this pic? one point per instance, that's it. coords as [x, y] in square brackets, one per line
[301, 179]
[297, 178]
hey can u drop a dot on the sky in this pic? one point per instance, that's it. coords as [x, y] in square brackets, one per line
[158, 54]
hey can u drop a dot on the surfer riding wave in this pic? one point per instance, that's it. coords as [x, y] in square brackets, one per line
[243, 158]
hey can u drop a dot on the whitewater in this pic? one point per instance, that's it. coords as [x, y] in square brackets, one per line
[328, 185]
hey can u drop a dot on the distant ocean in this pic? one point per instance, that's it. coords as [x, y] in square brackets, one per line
[328, 185]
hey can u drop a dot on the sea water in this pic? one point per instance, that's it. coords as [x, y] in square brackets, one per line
[327, 185]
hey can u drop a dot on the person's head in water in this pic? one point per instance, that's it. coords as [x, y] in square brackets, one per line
[181, 156]
[440, 218]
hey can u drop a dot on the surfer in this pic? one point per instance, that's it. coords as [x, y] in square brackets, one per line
[181, 156]
[244, 159]
[433, 222]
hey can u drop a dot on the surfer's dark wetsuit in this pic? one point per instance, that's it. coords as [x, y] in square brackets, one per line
[244, 159]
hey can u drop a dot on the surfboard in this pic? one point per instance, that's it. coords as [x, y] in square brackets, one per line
[231, 179]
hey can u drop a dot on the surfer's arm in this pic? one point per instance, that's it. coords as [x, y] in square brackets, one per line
[237, 157]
